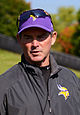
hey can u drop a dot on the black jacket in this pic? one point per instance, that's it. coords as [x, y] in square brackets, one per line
[23, 91]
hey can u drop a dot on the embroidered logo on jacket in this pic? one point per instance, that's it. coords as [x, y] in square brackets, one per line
[63, 91]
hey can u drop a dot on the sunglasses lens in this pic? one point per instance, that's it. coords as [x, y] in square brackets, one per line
[24, 16]
[37, 13]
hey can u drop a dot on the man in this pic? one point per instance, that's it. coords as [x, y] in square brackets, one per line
[37, 85]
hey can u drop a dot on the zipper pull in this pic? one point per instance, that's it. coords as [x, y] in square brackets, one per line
[50, 109]
[49, 104]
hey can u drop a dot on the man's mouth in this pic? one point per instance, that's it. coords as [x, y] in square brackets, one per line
[35, 52]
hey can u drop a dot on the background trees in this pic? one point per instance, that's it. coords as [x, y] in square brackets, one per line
[9, 10]
[76, 37]
[64, 18]
[67, 24]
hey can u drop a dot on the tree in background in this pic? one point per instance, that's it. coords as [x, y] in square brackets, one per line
[69, 37]
[9, 10]
[65, 38]
[76, 38]
[64, 23]
[64, 18]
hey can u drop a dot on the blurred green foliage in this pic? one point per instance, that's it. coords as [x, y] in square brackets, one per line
[76, 37]
[65, 17]
[9, 10]
[67, 24]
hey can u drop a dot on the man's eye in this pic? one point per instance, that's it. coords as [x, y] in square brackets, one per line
[40, 37]
[43, 37]
[26, 37]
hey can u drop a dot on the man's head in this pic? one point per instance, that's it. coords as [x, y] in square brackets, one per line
[36, 35]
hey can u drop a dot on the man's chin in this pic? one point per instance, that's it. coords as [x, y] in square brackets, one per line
[38, 60]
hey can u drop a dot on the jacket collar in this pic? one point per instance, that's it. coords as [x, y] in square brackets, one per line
[54, 66]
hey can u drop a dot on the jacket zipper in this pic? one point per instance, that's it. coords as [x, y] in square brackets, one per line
[49, 100]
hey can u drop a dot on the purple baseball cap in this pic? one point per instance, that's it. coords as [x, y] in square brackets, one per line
[43, 22]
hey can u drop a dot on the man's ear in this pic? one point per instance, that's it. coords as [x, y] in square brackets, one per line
[54, 36]
[18, 38]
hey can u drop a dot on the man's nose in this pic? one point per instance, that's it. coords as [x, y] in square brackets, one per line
[35, 43]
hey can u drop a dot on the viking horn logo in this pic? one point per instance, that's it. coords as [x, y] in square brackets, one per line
[34, 18]
[63, 91]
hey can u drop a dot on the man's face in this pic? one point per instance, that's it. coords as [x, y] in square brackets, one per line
[36, 44]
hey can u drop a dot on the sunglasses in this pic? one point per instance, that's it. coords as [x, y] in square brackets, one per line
[26, 15]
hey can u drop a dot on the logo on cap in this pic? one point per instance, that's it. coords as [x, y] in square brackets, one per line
[34, 18]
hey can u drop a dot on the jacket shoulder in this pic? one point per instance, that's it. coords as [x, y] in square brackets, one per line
[9, 77]
[69, 76]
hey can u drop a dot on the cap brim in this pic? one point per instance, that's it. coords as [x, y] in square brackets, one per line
[31, 26]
